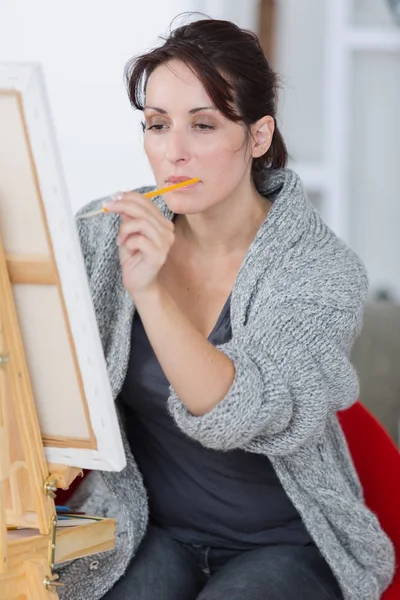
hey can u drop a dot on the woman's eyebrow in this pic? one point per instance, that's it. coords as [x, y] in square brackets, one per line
[191, 111]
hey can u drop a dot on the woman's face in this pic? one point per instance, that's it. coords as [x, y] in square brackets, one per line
[187, 137]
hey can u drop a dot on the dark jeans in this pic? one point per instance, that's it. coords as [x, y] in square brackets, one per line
[165, 569]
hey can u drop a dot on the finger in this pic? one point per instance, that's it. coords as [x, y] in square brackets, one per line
[133, 204]
[138, 225]
[124, 218]
[124, 254]
[129, 208]
[136, 197]
[140, 244]
[150, 227]
[154, 231]
[131, 211]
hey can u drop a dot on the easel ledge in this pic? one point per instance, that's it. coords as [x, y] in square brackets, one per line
[28, 561]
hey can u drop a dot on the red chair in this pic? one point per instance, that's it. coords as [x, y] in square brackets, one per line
[62, 496]
[377, 461]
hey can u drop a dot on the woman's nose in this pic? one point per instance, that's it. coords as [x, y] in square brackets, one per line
[177, 148]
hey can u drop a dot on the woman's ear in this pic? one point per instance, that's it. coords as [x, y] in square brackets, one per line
[262, 133]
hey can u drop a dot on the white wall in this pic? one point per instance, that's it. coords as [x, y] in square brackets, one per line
[242, 12]
[300, 63]
[83, 46]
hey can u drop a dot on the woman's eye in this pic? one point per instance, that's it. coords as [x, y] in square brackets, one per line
[204, 126]
[156, 127]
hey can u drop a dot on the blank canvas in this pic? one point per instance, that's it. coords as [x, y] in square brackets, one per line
[67, 369]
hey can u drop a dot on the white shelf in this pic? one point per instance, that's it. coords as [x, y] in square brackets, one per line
[377, 40]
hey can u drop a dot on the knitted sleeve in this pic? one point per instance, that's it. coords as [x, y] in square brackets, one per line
[292, 369]
[87, 235]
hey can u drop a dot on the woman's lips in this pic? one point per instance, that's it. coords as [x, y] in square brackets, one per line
[173, 180]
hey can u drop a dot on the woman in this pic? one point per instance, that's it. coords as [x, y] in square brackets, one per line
[233, 292]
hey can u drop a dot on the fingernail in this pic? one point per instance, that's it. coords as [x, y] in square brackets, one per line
[117, 196]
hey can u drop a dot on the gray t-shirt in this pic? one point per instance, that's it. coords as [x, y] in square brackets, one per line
[202, 496]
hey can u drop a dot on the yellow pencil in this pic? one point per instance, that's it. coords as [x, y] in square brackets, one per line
[169, 188]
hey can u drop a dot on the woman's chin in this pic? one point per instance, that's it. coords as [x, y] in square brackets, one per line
[184, 206]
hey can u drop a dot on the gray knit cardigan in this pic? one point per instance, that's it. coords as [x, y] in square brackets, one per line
[296, 308]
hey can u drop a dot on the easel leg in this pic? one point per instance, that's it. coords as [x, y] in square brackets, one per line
[3, 531]
[36, 570]
[4, 458]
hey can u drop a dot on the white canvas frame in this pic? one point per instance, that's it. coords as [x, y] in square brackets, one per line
[27, 81]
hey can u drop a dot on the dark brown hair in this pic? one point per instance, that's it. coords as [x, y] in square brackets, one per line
[233, 69]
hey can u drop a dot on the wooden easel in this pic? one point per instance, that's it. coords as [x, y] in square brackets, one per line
[27, 482]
